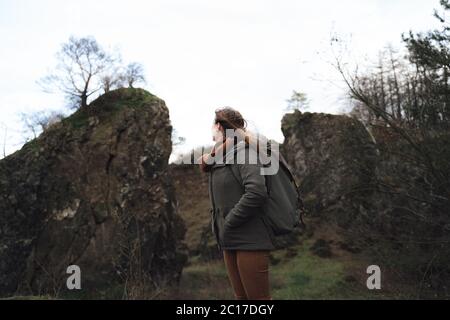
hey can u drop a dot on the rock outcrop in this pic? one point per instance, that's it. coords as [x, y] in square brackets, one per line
[94, 191]
[386, 194]
[335, 159]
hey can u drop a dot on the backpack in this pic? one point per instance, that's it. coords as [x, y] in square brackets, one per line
[284, 209]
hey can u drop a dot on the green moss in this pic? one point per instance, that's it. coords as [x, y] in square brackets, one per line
[78, 119]
[108, 104]
[117, 99]
[290, 120]
[32, 145]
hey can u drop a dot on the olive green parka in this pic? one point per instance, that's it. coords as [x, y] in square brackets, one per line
[237, 218]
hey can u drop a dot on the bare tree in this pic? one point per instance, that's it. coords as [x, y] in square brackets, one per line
[112, 76]
[177, 139]
[133, 73]
[298, 101]
[359, 90]
[30, 127]
[413, 180]
[36, 122]
[111, 81]
[81, 62]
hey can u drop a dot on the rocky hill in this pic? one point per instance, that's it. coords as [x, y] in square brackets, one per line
[335, 158]
[94, 191]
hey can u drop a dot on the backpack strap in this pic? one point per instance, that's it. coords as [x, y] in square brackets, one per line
[236, 174]
[287, 168]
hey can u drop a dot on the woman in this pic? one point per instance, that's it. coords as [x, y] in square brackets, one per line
[237, 223]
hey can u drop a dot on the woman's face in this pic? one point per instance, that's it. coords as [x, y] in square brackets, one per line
[217, 132]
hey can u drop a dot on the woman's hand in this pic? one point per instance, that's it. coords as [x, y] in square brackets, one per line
[202, 161]
[205, 159]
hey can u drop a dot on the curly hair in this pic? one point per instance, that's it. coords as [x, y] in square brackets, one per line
[230, 118]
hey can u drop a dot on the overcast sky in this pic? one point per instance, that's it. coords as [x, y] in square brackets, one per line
[202, 54]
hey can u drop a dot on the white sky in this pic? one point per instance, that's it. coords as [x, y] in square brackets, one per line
[201, 54]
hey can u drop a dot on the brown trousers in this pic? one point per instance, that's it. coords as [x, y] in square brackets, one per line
[248, 271]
